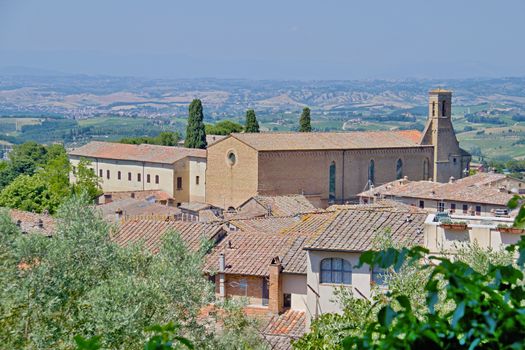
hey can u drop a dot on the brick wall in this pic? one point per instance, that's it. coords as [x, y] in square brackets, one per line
[234, 287]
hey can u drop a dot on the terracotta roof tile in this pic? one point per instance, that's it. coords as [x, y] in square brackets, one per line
[298, 141]
[136, 208]
[286, 205]
[150, 233]
[142, 153]
[354, 229]
[475, 189]
[33, 222]
[158, 195]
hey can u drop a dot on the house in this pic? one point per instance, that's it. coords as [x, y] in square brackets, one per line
[130, 208]
[479, 194]
[285, 205]
[332, 168]
[178, 171]
[154, 196]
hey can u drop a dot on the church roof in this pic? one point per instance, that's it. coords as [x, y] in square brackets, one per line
[300, 141]
[141, 153]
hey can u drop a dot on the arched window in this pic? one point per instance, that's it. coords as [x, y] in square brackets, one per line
[425, 169]
[336, 270]
[443, 104]
[331, 182]
[399, 169]
[371, 172]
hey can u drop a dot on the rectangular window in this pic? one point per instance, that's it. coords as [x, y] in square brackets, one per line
[197, 179]
[422, 204]
[156, 179]
[379, 276]
[465, 208]
[129, 176]
[138, 177]
[478, 209]
[107, 174]
[100, 173]
[179, 183]
[441, 207]
[148, 178]
[118, 175]
[287, 301]
[452, 207]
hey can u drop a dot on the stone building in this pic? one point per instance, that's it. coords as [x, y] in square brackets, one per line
[178, 171]
[332, 167]
[479, 194]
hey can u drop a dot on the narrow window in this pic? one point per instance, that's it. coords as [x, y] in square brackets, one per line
[452, 207]
[443, 104]
[100, 172]
[118, 175]
[129, 176]
[478, 210]
[138, 177]
[287, 300]
[197, 180]
[433, 108]
[371, 172]
[441, 207]
[336, 270]
[148, 178]
[156, 179]
[422, 204]
[179, 183]
[465, 208]
[426, 174]
[399, 169]
[331, 182]
[107, 174]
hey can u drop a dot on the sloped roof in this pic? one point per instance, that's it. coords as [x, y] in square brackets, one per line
[354, 229]
[250, 250]
[134, 207]
[301, 141]
[33, 222]
[150, 233]
[159, 195]
[286, 205]
[141, 153]
[474, 189]
[281, 329]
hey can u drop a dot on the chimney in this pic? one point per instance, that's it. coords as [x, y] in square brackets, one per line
[118, 214]
[275, 302]
[222, 267]
[18, 223]
[40, 223]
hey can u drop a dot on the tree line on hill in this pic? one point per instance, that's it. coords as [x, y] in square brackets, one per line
[196, 129]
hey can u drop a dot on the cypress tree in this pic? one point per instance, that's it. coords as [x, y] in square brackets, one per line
[252, 125]
[195, 131]
[304, 122]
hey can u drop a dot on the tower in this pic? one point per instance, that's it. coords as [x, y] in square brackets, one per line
[449, 159]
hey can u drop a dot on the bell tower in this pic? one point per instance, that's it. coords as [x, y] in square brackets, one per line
[449, 158]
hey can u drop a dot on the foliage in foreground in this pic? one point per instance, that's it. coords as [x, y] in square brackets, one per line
[79, 283]
[474, 302]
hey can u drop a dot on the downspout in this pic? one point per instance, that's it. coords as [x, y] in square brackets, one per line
[143, 177]
[343, 189]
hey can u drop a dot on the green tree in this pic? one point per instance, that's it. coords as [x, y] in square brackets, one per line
[195, 131]
[29, 193]
[57, 292]
[25, 159]
[305, 121]
[252, 125]
[168, 138]
[86, 180]
[224, 127]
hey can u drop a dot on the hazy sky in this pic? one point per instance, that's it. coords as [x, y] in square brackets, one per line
[267, 39]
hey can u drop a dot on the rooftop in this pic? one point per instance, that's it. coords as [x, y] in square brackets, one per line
[355, 228]
[134, 208]
[156, 195]
[33, 222]
[142, 153]
[304, 141]
[477, 188]
[150, 233]
[280, 329]
[276, 206]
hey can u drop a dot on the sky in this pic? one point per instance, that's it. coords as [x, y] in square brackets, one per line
[270, 39]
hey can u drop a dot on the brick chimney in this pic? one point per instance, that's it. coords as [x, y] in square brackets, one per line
[275, 302]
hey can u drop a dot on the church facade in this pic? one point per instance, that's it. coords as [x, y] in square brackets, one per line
[333, 167]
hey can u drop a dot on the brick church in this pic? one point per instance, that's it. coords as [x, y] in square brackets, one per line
[333, 167]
